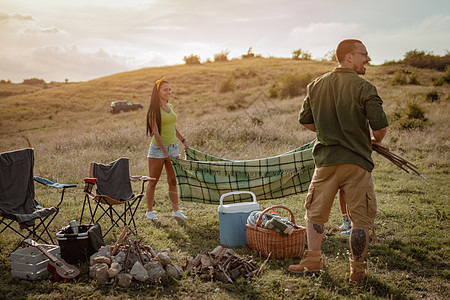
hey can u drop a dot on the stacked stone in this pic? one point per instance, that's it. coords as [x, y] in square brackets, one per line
[132, 262]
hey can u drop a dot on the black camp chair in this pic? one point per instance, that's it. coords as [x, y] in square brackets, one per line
[17, 204]
[113, 188]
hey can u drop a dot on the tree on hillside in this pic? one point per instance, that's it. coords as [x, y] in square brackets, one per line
[33, 81]
[301, 54]
[249, 54]
[331, 55]
[222, 56]
[422, 59]
[192, 59]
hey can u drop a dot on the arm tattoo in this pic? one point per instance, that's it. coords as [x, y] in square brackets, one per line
[318, 228]
[358, 242]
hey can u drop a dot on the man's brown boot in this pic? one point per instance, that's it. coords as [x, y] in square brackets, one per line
[358, 271]
[311, 262]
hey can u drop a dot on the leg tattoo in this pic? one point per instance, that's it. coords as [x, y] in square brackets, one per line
[318, 228]
[358, 243]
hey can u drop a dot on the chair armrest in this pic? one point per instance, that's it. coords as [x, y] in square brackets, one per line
[89, 183]
[144, 179]
[50, 183]
[141, 178]
[92, 180]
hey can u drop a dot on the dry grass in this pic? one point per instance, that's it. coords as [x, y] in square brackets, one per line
[70, 125]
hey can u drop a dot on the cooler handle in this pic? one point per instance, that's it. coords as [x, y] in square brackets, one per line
[236, 193]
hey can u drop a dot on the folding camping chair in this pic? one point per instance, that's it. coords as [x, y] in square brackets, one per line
[112, 184]
[17, 203]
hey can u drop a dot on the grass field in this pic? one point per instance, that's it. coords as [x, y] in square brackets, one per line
[69, 125]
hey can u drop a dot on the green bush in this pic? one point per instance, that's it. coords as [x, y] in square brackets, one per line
[447, 74]
[227, 85]
[301, 55]
[413, 117]
[432, 96]
[245, 73]
[222, 56]
[33, 81]
[273, 91]
[414, 111]
[290, 85]
[400, 78]
[422, 59]
[413, 79]
[444, 79]
[438, 81]
[192, 59]
[249, 54]
[407, 124]
[232, 107]
[257, 121]
[403, 77]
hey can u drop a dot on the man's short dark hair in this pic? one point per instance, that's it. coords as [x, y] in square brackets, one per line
[345, 47]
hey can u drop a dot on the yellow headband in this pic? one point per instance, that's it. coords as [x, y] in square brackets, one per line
[159, 81]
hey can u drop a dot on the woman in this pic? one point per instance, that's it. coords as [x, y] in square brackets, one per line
[346, 223]
[161, 126]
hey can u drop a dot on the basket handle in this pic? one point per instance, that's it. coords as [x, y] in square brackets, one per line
[259, 220]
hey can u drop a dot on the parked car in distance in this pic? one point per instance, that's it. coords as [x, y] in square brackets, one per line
[124, 105]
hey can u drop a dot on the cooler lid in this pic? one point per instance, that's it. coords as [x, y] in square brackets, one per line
[245, 207]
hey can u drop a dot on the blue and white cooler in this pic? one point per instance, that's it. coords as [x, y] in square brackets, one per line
[232, 220]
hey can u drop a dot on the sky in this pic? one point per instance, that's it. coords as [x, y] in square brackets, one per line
[79, 40]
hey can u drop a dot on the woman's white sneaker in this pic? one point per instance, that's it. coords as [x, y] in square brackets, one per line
[179, 215]
[151, 215]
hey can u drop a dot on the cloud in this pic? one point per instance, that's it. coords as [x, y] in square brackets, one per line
[55, 63]
[31, 48]
[319, 38]
[17, 26]
[105, 38]
[22, 17]
[318, 34]
[430, 34]
[43, 30]
[4, 16]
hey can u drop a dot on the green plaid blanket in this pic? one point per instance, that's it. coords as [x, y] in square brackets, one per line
[204, 178]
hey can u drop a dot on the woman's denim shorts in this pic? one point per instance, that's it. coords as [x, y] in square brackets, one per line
[155, 152]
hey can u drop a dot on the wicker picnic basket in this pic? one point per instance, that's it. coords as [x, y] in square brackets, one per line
[267, 241]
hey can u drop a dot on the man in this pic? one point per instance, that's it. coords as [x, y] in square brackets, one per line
[340, 107]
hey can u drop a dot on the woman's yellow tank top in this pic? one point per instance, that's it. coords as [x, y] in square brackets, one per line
[168, 133]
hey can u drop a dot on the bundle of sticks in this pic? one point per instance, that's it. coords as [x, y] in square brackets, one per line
[397, 160]
[223, 265]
